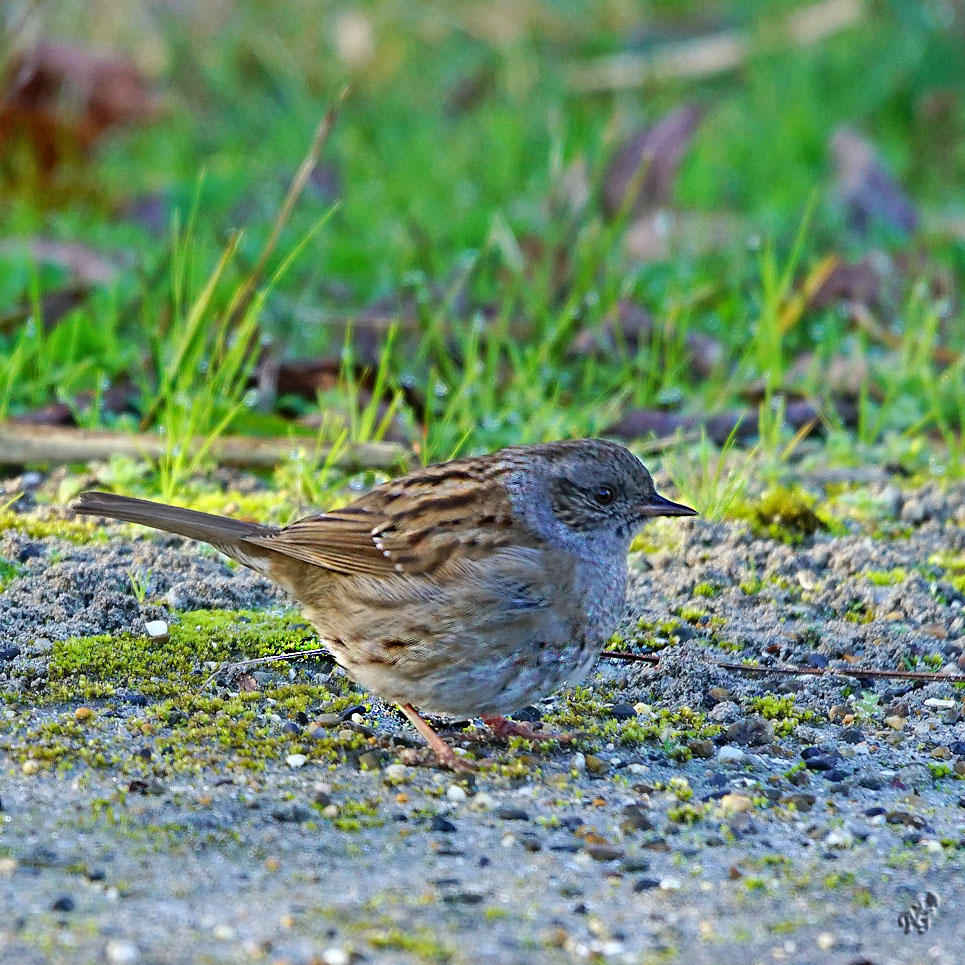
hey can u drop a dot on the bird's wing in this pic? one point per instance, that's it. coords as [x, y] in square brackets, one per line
[355, 541]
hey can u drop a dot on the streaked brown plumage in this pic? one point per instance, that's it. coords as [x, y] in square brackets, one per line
[469, 588]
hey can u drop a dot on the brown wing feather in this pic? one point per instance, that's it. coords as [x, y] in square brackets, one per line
[396, 529]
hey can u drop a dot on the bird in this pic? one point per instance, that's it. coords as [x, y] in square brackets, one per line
[469, 588]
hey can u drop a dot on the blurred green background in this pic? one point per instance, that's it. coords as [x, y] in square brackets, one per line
[467, 268]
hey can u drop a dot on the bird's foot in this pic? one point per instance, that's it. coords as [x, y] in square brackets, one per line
[503, 727]
[444, 753]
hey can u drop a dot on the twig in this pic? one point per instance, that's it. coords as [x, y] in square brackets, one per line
[927, 676]
[712, 54]
[294, 655]
[304, 172]
[27, 445]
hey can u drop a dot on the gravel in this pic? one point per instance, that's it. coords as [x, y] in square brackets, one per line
[761, 818]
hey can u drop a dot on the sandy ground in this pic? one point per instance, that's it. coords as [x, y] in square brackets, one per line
[690, 820]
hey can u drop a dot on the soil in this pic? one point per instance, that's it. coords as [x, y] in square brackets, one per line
[699, 814]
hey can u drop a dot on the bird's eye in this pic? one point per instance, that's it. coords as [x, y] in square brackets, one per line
[603, 495]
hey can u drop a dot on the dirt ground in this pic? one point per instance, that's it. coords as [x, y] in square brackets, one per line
[701, 814]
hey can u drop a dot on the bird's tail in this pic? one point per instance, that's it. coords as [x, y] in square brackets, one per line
[219, 530]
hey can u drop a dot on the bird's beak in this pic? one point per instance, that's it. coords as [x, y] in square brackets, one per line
[658, 505]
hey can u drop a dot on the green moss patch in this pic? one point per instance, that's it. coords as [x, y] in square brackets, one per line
[96, 666]
[72, 530]
[788, 515]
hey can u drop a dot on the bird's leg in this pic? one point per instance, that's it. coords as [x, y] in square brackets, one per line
[441, 749]
[503, 727]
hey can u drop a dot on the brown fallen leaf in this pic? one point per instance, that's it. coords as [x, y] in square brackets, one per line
[59, 99]
[868, 282]
[841, 376]
[471, 90]
[86, 266]
[53, 307]
[641, 173]
[632, 330]
[742, 424]
[868, 192]
[115, 400]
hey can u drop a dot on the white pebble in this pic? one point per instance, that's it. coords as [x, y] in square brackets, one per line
[223, 932]
[156, 628]
[670, 884]
[940, 703]
[296, 760]
[335, 956]
[729, 753]
[483, 801]
[826, 941]
[122, 953]
[578, 762]
[456, 793]
[930, 844]
[839, 838]
[395, 773]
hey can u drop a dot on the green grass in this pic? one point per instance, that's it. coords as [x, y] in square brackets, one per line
[460, 222]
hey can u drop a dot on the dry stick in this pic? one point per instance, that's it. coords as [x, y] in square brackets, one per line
[22, 444]
[712, 54]
[228, 667]
[923, 675]
[624, 655]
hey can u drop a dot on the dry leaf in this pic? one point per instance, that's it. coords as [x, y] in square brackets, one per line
[641, 173]
[59, 99]
[867, 190]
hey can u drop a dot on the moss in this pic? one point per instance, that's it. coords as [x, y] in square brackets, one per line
[858, 612]
[685, 814]
[355, 816]
[32, 525]
[751, 585]
[886, 577]
[785, 514]
[781, 711]
[9, 571]
[190, 729]
[707, 590]
[421, 942]
[162, 670]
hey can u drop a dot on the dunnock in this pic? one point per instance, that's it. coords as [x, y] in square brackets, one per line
[468, 588]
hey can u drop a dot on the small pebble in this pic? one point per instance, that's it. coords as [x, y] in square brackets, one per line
[156, 628]
[83, 713]
[336, 956]
[64, 903]
[736, 803]
[729, 754]
[701, 748]
[578, 762]
[595, 765]
[512, 814]
[119, 952]
[296, 760]
[455, 793]
[646, 884]
[443, 825]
